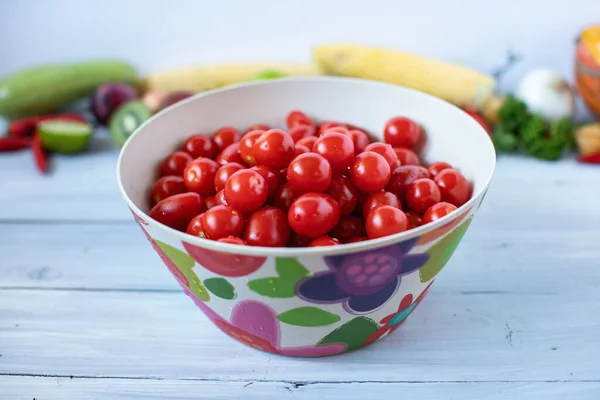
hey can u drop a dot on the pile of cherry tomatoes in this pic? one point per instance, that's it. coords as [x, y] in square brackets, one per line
[314, 184]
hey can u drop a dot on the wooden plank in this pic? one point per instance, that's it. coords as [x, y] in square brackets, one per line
[482, 336]
[60, 388]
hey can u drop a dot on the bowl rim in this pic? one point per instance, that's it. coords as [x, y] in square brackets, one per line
[304, 251]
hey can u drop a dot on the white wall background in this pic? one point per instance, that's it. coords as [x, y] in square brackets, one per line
[156, 34]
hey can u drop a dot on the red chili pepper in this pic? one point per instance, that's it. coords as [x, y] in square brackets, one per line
[13, 143]
[26, 127]
[39, 154]
[590, 159]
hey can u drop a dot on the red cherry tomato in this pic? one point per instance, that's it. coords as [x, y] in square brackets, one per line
[285, 196]
[224, 172]
[220, 198]
[370, 172]
[267, 227]
[301, 131]
[403, 176]
[258, 127]
[414, 219]
[222, 221]
[455, 188]
[295, 118]
[357, 239]
[422, 194]
[348, 227]
[309, 172]
[360, 139]
[324, 241]
[178, 210]
[225, 136]
[231, 153]
[298, 240]
[338, 129]
[313, 214]
[175, 163]
[437, 167]
[246, 191]
[167, 186]
[199, 146]
[199, 176]
[402, 132]
[380, 199]
[274, 149]
[308, 141]
[384, 221]
[271, 178]
[437, 211]
[233, 240]
[327, 125]
[344, 193]
[299, 149]
[336, 148]
[386, 151]
[407, 156]
[194, 227]
[210, 202]
[247, 147]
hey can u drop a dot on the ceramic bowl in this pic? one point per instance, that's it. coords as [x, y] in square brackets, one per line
[308, 301]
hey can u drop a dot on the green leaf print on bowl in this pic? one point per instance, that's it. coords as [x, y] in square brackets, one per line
[308, 316]
[290, 271]
[353, 333]
[184, 264]
[441, 252]
[220, 287]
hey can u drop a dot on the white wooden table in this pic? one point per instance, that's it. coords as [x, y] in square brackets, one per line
[88, 311]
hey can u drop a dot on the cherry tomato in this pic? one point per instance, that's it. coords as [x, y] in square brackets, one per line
[199, 146]
[224, 172]
[194, 227]
[422, 194]
[247, 146]
[246, 191]
[386, 151]
[233, 240]
[357, 239]
[384, 221]
[402, 177]
[309, 172]
[407, 156]
[258, 127]
[360, 139]
[344, 193]
[225, 136]
[348, 227]
[301, 131]
[327, 125]
[337, 148]
[455, 188]
[231, 153]
[175, 163]
[380, 199]
[210, 202]
[220, 198]
[308, 141]
[437, 211]
[437, 167]
[285, 196]
[299, 149]
[313, 214]
[222, 221]
[267, 227]
[274, 149]
[339, 129]
[295, 118]
[370, 172]
[324, 241]
[167, 186]
[178, 210]
[271, 178]
[414, 219]
[298, 240]
[402, 132]
[199, 176]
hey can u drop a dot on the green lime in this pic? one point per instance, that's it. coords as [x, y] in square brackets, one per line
[268, 74]
[127, 119]
[65, 136]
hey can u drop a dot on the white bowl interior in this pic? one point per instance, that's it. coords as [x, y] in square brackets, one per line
[452, 135]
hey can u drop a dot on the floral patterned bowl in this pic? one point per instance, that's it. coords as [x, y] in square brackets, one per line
[308, 301]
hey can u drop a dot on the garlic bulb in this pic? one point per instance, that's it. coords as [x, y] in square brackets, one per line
[546, 94]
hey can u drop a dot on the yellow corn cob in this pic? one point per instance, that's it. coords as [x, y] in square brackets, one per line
[460, 85]
[213, 76]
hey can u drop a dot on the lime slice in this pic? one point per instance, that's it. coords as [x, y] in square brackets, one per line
[65, 136]
[269, 74]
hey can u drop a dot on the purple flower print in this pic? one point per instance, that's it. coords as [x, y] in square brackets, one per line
[362, 281]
